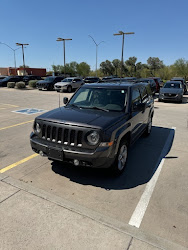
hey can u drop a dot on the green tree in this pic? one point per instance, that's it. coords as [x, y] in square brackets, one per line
[154, 64]
[181, 68]
[131, 65]
[21, 66]
[107, 68]
[117, 65]
[83, 69]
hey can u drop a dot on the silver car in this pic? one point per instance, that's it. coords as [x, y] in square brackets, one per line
[171, 91]
[69, 84]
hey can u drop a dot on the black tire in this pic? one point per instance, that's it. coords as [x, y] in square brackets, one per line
[69, 89]
[181, 101]
[148, 127]
[50, 87]
[120, 162]
[159, 100]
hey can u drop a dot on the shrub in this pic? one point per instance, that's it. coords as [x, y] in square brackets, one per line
[32, 83]
[20, 85]
[11, 84]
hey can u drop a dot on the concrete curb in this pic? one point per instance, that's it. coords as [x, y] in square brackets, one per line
[105, 220]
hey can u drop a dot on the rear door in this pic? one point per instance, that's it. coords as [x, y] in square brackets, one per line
[147, 100]
[137, 115]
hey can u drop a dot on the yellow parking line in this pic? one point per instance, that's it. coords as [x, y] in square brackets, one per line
[16, 125]
[18, 163]
[9, 105]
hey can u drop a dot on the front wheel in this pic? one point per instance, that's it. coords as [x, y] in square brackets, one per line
[121, 159]
[69, 89]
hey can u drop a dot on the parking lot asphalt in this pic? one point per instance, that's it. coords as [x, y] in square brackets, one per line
[150, 196]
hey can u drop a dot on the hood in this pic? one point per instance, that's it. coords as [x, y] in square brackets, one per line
[83, 117]
[170, 91]
[42, 81]
[62, 83]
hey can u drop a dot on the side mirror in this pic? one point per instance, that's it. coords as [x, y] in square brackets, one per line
[65, 100]
[139, 106]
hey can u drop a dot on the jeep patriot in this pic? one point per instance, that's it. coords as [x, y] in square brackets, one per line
[96, 126]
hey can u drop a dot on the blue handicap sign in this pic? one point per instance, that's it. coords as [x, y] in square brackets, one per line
[29, 111]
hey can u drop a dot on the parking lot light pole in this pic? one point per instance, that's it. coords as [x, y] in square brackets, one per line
[22, 45]
[96, 50]
[121, 33]
[14, 54]
[59, 39]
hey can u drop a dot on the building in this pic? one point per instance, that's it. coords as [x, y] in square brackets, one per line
[20, 71]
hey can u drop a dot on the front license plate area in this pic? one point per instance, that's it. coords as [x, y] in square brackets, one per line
[55, 154]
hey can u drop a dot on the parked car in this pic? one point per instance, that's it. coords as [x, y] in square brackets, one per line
[2, 77]
[7, 79]
[181, 79]
[69, 84]
[107, 78]
[96, 126]
[150, 81]
[91, 79]
[171, 91]
[31, 77]
[49, 82]
[158, 81]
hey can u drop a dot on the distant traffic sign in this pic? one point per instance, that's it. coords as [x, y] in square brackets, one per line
[29, 111]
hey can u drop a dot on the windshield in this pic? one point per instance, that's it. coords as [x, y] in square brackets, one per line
[67, 80]
[172, 85]
[100, 98]
[49, 79]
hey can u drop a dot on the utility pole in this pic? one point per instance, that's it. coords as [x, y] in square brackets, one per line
[14, 54]
[96, 50]
[121, 33]
[59, 39]
[22, 45]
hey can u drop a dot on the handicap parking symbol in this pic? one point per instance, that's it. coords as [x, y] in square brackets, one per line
[29, 111]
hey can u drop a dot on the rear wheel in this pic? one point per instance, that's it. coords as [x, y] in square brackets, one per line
[149, 127]
[121, 159]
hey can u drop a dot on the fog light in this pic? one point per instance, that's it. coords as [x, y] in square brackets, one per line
[42, 153]
[76, 162]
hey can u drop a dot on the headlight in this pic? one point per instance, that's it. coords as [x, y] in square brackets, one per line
[93, 138]
[38, 128]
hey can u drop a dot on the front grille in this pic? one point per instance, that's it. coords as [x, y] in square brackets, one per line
[64, 136]
[170, 95]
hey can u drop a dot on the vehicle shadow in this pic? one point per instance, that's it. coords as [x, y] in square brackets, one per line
[144, 158]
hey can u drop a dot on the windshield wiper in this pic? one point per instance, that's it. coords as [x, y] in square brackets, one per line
[94, 107]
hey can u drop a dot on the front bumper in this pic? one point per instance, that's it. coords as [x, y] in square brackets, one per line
[176, 98]
[59, 88]
[101, 157]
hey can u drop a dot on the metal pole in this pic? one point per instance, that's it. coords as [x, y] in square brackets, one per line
[96, 58]
[64, 58]
[15, 62]
[23, 58]
[122, 57]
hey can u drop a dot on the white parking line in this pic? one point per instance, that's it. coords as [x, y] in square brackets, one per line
[138, 214]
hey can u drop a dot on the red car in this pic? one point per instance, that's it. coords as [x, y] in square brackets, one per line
[158, 82]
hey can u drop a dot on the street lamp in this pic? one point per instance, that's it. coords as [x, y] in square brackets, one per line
[22, 44]
[121, 33]
[59, 39]
[96, 50]
[14, 54]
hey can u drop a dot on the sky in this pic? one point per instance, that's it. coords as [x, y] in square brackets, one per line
[160, 26]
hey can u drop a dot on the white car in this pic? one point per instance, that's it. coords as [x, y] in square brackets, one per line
[69, 84]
